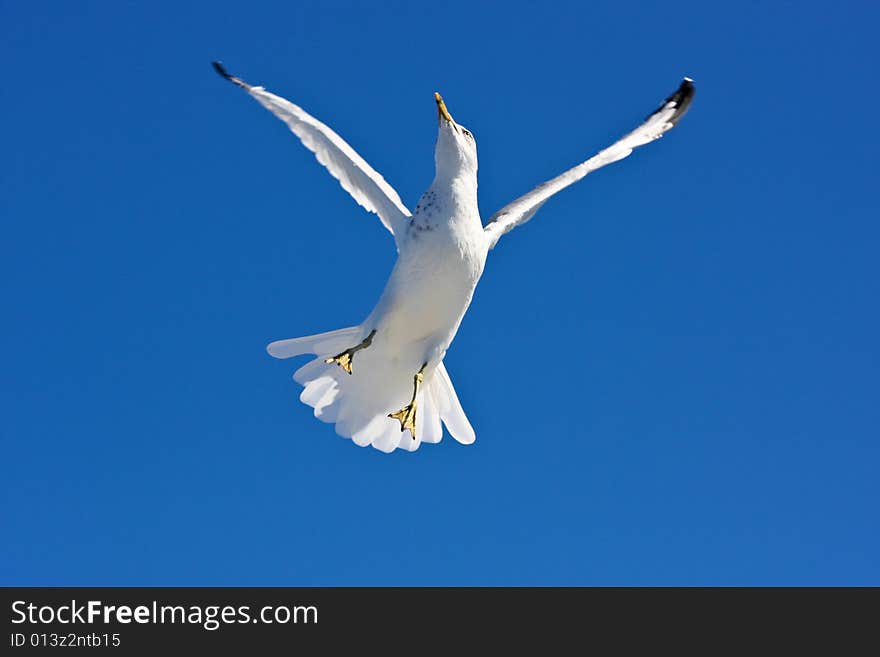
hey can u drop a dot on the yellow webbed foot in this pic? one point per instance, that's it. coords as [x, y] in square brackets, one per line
[407, 415]
[407, 418]
[346, 358]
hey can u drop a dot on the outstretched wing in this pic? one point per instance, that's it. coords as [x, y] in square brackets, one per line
[358, 178]
[525, 207]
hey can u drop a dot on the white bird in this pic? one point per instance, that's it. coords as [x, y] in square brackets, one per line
[383, 382]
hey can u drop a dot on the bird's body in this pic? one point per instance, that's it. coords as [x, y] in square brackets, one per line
[441, 259]
[383, 383]
[442, 255]
[430, 287]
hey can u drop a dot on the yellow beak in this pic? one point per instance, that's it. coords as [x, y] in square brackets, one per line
[442, 112]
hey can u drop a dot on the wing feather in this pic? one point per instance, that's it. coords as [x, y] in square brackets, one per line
[358, 178]
[658, 122]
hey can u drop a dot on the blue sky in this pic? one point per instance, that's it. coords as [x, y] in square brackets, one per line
[672, 370]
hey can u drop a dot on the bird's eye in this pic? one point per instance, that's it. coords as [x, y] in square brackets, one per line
[467, 133]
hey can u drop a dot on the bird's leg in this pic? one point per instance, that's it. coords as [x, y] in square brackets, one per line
[407, 415]
[345, 359]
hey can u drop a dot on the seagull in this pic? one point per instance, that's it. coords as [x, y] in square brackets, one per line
[383, 382]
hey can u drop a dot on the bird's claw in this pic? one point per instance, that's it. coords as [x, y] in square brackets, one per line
[344, 360]
[407, 415]
[407, 418]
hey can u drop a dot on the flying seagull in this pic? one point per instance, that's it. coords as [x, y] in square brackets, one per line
[383, 382]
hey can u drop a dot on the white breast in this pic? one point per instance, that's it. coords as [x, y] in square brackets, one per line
[441, 260]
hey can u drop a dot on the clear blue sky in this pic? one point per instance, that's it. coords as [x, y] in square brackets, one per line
[718, 292]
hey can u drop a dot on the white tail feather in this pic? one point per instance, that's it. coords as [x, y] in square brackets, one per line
[450, 408]
[315, 344]
[359, 404]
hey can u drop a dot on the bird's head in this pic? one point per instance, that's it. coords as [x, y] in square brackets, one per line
[456, 150]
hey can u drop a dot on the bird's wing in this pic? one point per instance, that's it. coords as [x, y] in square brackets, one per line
[358, 178]
[522, 209]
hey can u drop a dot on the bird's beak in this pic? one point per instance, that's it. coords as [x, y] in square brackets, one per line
[442, 112]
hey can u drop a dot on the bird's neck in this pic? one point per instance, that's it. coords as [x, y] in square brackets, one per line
[445, 200]
[459, 187]
[450, 198]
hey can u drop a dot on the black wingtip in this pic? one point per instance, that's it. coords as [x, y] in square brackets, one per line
[683, 97]
[220, 70]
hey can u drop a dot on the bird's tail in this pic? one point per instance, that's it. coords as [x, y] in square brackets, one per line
[358, 405]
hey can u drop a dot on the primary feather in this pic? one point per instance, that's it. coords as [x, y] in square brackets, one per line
[659, 122]
[366, 186]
